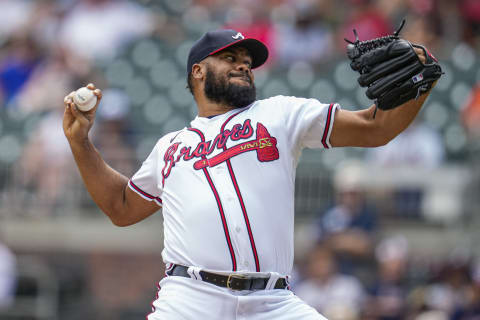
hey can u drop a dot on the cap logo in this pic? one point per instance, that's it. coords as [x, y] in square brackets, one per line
[238, 36]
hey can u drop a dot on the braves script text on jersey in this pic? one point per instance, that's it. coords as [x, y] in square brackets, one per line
[226, 187]
[226, 184]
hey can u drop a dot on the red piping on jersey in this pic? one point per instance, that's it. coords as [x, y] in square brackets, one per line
[219, 204]
[327, 126]
[134, 186]
[240, 199]
[153, 307]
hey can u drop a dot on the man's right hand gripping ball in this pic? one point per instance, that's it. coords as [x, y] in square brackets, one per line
[77, 124]
[391, 69]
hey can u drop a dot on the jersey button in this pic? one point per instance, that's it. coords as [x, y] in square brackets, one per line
[238, 229]
[245, 263]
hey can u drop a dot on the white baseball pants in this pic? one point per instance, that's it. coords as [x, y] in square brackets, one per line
[182, 298]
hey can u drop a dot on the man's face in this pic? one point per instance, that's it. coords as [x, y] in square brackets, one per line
[229, 79]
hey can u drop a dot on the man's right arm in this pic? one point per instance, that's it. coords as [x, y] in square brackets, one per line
[107, 187]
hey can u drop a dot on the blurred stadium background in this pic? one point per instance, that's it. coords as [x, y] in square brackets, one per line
[411, 253]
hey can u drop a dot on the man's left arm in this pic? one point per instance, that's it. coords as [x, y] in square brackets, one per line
[363, 129]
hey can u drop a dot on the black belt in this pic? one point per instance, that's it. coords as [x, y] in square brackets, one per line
[232, 281]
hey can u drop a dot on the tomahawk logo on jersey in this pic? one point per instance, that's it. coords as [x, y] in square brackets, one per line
[226, 181]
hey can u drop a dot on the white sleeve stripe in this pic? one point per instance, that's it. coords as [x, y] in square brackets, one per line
[144, 194]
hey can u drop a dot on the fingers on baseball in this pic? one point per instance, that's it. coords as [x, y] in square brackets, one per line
[98, 93]
[68, 99]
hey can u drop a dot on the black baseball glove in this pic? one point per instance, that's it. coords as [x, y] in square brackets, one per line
[391, 70]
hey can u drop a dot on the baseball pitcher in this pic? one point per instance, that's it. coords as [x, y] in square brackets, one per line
[225, 183]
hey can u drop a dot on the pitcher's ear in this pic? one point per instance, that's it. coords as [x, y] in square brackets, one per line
[198, 71]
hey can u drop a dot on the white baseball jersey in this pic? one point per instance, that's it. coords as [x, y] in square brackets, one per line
[226, 184]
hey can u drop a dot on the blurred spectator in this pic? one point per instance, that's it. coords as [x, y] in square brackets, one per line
[97, 29]
[417, 146]
[7, 276]
[367, 19]
[471, 112]
[432, 315]
[471, 310]
[252, 20]
[470, 12]
[421, 30]
[389, 292]
[335, 295]
[21, 55]
[308, 39]
[48, 84]
[348, 227]
[45, 164]
[450, 292]
[393, 10]
[112, 135]
[422, 7]
[46, 159]
[14, 16]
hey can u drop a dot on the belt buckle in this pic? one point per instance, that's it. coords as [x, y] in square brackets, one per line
[234, 276]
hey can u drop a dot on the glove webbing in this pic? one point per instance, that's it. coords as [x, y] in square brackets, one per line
[358, 48]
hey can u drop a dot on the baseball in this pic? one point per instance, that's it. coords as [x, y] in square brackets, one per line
[84, 99]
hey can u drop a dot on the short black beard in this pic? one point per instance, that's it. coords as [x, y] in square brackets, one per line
[220, 90]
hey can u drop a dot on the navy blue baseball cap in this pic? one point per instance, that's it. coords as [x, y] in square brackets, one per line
[218, 40]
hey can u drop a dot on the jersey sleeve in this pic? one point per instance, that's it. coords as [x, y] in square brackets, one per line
[309, 122]
[145, 181]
